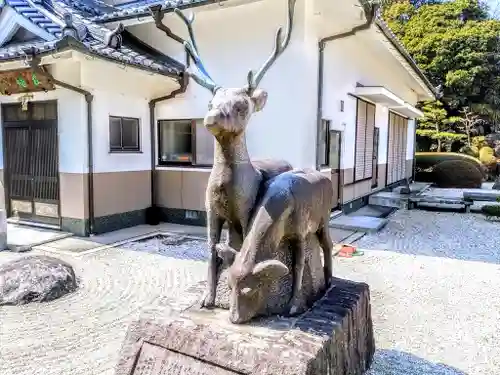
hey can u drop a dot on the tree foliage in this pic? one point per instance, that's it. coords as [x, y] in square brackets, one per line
[456, 44]
[437, 125]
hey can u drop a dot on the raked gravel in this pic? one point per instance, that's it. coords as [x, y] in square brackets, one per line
[432, 315]
[442, 234]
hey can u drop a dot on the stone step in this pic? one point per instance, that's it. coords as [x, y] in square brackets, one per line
[368, 224]
[482, 195]
[388, 199]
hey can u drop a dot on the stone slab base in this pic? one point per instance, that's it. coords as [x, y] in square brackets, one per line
[334, 337]
[358, 223]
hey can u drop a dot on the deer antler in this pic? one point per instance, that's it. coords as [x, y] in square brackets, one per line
[204, 78]
[279, 47]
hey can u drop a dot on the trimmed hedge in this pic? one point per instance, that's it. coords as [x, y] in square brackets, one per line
[424, 160]
[491, 210]
[457, 174]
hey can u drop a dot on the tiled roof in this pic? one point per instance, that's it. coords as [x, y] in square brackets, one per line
[34, 15]
[133, 52]
[140, 8]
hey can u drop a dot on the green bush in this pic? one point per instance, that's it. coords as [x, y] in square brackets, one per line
[470, 150]
[479, 142]
[491, 210]
[457, 174]
[424, 160]
[487, 155]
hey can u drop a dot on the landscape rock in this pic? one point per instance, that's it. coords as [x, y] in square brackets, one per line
[35, 279]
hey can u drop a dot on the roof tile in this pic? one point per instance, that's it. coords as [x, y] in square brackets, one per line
[136, 54]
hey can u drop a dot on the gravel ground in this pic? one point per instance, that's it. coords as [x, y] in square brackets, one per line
[439, 234]
[82, 333]
[171, 245]
[432, 315]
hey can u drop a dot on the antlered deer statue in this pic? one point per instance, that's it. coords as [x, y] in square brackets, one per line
[235, 181]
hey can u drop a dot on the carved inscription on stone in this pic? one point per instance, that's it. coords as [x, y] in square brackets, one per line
[155, 360]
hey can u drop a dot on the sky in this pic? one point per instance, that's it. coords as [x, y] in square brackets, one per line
[494, 6]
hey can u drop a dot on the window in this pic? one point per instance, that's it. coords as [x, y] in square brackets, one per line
[185, 142]
[365, 128]
[323, 144]
[124, 134]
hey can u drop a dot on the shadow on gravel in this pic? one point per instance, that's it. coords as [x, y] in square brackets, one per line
[392, 362]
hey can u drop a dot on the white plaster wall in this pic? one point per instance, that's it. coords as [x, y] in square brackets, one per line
[72, 114]
[347, 62]
[231, 42]
[121, 105]
[123, 92]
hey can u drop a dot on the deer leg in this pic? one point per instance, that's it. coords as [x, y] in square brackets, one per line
[326, 243]
[214, 229]
[298, 273]
[235, 237]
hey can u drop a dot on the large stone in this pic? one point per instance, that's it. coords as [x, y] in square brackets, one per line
[334, 337]
[35, 279]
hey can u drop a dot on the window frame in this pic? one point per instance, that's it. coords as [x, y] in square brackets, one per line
[180, 164]
[122, 150]
[325, 160]
[367, 104]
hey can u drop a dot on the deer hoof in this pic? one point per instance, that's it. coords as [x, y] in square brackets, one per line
[207, 301]
[296, 310]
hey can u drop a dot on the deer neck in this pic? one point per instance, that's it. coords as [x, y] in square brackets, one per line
[232, 153]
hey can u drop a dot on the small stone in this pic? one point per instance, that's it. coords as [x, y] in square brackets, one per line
[496, 185]
[35, 279]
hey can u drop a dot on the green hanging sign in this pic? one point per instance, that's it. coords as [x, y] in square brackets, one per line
[21, 82]
[35, 80]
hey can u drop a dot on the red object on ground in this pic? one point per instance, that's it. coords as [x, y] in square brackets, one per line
[348, 251]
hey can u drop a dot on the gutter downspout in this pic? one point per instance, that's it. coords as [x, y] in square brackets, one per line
[153, 214]
[35, 65]
[370, 19]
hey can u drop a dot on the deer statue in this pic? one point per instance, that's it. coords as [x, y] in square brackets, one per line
[235, 181]
[296, 204]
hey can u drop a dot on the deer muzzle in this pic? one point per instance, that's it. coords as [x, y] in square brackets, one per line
[211, 119]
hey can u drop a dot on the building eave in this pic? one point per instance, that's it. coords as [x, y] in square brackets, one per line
[11, 21]
[71, 44]
[143, 11]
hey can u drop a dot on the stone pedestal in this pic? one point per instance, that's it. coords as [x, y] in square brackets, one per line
[334, 337]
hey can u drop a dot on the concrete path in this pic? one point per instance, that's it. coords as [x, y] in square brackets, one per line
[24, 236]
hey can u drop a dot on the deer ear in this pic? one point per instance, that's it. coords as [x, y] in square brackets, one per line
[259, 98]
[269, 270]
[226, 253]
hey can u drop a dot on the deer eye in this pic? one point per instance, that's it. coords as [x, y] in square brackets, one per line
[241, 108]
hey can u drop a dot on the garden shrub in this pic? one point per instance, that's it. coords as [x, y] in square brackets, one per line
[487, 155]
[491, 210]
[470, 150]
[479, 142]
[424, 160]
[457, 174]
[488, 159]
